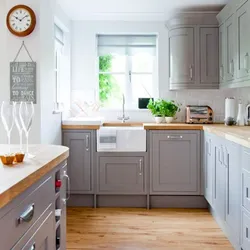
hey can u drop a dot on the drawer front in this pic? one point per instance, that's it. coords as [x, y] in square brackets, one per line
[30, 209]
[41, 235]
[245, 231]
[246, 189]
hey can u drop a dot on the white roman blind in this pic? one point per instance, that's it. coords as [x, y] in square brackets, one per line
[59, 35]
[126, 44]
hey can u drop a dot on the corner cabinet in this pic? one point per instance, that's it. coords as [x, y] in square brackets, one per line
[234, 46]
[80, 160]
[193, 51]
[175, 162]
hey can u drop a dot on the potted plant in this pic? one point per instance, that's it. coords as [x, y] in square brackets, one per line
[156, 109]
[169, 110]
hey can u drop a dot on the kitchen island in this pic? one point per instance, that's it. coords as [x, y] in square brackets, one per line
[30, 194]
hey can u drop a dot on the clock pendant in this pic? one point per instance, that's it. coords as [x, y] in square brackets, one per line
[21, 20]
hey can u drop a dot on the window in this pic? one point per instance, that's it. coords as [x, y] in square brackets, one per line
[126, 66]
[59, 44]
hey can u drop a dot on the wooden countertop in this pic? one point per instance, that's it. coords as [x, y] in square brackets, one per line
[172, 126]
[16, 179]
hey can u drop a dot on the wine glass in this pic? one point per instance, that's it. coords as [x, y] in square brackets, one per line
[8, 113]
[19, 126]
[26, 113]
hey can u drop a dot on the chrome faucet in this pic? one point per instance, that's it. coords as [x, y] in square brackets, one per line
[123, 118]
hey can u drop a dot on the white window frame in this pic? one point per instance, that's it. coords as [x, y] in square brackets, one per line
[128, 82]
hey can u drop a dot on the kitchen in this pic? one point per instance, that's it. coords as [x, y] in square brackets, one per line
[131, 174]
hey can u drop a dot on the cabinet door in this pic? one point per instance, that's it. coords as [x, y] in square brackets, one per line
[245, 231]
[182, 55]
[121, 175]
[42, 239]
[231, 161]
[220, 184]
[209, 58]
[174, 163]
[230, 48]
[209, 161]
[79, 161]
[243, 38]
[222, 59]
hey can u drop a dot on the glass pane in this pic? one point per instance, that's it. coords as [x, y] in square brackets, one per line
[142, 62]
[142, 86]
[111, 88]
[112, 63]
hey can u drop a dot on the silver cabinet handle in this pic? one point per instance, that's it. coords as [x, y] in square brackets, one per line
[246, 62]
[68, 186]
[27, 215]
[222, 72]
[33, 247]
[247, 233]
[232, 67]
[140, 166]
[191, 72]
[87, 142]
[247, 194]
[175, 136]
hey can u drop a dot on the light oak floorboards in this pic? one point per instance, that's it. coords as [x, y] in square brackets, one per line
[141, 229]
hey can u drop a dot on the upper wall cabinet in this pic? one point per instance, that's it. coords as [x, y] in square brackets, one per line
[234, 45]
[193, 51]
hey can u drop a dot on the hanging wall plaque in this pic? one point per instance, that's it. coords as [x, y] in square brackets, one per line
[23, 80]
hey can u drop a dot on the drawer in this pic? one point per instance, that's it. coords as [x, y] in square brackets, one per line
[245, 237]
[32, 207]
[246, 190]
[41, 235]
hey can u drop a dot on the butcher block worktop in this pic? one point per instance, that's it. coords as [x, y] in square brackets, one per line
[17, 178]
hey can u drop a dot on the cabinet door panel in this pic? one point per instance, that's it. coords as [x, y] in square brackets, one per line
[79, 162]
[174, 163]
[230, 49]
[245, 231]
[209, 66]
[182, 54]
[246, 190]
[121, 175]
[222, 53]
[243, 38]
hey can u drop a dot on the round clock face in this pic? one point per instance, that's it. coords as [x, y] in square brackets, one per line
[21, 20]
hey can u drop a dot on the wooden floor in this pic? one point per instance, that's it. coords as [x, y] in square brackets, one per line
[139, 229]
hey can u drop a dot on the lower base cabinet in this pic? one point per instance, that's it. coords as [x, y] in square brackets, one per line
[121, 175]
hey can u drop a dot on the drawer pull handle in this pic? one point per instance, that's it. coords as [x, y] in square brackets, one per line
[68, 187]
[27, 215]
[140, 165]
[87, 143]
[247, 193]
[247, 235]
[33, 247]
[175, 136]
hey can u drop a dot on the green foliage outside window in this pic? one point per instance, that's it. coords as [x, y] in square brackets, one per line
[107, 83]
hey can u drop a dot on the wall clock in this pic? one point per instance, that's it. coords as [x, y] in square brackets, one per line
[21, 20]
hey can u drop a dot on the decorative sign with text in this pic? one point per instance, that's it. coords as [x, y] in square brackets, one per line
[23, 82]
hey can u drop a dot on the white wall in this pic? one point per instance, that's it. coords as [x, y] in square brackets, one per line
[85, 77]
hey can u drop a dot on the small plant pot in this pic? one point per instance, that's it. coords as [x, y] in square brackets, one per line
[159, 119]
[169, 119]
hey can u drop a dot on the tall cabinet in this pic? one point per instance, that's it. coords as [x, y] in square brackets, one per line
[234, 45]
[193, 51]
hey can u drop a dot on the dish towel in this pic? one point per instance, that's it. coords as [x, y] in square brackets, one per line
[107, 138]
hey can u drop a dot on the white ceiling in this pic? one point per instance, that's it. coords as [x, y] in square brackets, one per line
[133, 9]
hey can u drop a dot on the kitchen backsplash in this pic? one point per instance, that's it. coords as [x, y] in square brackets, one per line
[214, 98]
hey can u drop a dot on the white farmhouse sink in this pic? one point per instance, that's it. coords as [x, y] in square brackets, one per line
[121, 139]
[83, 121]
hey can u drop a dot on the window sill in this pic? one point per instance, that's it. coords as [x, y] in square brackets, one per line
[59, 111]
[120, 109]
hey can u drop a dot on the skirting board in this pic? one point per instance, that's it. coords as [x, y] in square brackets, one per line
[137, 201]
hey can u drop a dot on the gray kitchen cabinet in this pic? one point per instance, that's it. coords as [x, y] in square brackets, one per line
[182, 56]
[209, 58]
[222, 53]
[121, 175]
[209, 163]
[242, 41]
[79, 162]
[230, 49]
[175, 162]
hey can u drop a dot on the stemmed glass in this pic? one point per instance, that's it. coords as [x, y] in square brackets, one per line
[26, 113]
[8, 112]
[19, 126]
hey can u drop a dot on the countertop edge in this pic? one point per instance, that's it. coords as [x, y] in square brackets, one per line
[7, 196]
